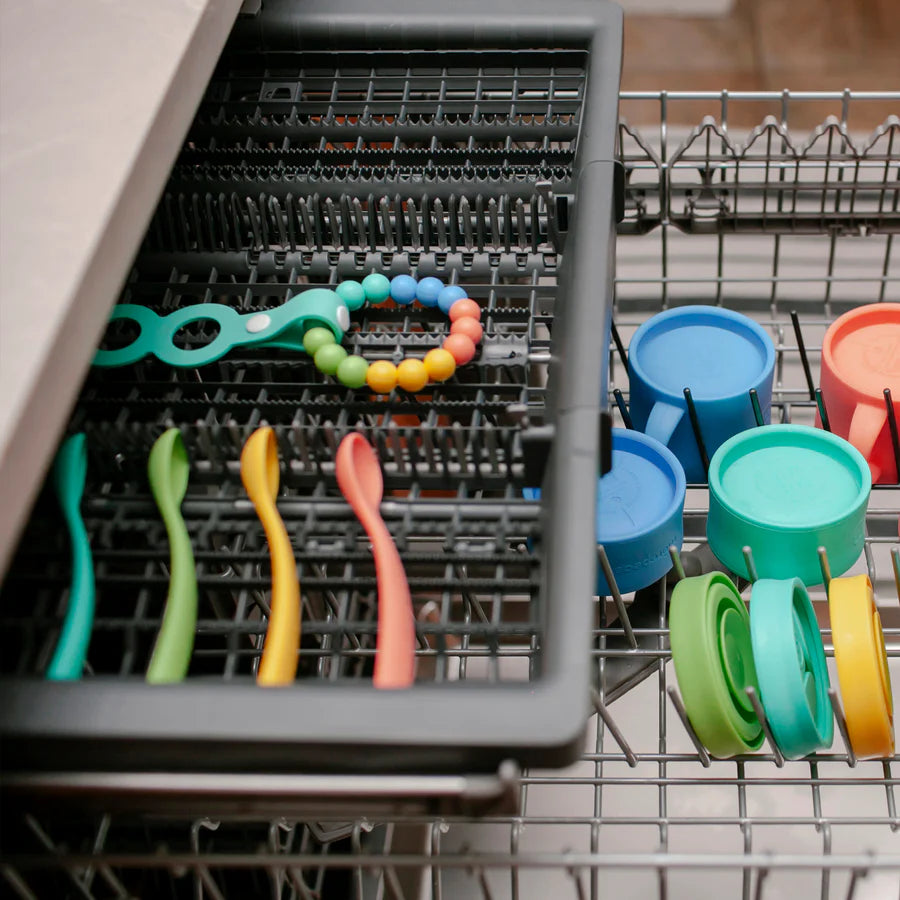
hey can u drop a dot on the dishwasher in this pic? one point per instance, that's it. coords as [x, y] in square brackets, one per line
[544, 750]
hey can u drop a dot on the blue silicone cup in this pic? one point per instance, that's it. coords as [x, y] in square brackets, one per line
[790, 665]
[640, 504]
[720, 355]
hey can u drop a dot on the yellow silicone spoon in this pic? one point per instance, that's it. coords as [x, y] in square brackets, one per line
[259, 472]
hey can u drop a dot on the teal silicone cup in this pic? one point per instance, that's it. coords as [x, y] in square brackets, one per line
[784, 491]
[790, 666]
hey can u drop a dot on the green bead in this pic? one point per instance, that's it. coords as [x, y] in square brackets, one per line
[352, 293]
[315, 339]
[352, 372]
[329, 357]
[377, 288]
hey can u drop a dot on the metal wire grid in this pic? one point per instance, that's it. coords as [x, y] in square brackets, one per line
[770, 179]
[422, 151]
[466, 556]
[621, 820]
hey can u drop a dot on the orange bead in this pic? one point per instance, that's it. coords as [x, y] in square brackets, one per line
[381, 376]
[440, 364]
[468, 326]
[412, 375]
[465, 307]
[461, 346]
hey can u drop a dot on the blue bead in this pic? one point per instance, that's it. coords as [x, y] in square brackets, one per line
[448, 296]
[427, 291]
[352, 293]
[403, 289]
[377, 288]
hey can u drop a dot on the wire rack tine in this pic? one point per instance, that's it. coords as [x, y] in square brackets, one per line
[842, 725]
[614, 730]
[750, 564]
[677, 565]
[678, 703]
[825, 567]
[617, 596]
[763, 720]
[695, 427]
[804, 359]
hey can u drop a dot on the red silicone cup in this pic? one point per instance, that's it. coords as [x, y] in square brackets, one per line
[860, 358]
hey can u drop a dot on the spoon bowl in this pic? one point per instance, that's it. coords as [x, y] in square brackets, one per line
[359, 473]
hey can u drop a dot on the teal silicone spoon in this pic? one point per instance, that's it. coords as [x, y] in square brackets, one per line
[69, 473]
[168, 470]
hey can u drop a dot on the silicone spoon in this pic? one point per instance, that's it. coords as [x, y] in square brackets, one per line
[259, 472]
[360, 480]
[69, 473]
[168, 470]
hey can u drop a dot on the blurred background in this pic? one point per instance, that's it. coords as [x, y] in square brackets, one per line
[761, 45]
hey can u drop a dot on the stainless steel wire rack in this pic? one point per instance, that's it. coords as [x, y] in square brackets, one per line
[768, 221]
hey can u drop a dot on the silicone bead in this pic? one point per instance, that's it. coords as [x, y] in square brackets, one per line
[352, 293]
[329, 357]
[449, 295]
[412, 375]
[382, 376]
[468, 326]
[403, 289]
[461, 347]
[427, 291]
[440, 364]
[352, 371]
[464, 307]
[315, 339]
[377, 288]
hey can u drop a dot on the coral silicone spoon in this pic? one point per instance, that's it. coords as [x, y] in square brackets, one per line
[69, 472]
[360, 480]
[259, 472]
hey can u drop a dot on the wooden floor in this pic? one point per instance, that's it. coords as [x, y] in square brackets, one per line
[767, 45]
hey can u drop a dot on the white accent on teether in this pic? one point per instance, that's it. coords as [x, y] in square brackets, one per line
[258, 323]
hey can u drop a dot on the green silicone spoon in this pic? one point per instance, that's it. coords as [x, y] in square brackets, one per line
[69, 473]
[168, 470]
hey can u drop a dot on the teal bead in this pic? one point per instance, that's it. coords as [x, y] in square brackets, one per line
[377, 288]
[352, 371]
[316, 338]
[352, 293]
[329, 357]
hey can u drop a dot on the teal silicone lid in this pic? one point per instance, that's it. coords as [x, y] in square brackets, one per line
[784, 491]
[790, 666]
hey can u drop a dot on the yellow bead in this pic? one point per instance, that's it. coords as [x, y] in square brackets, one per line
[382, 376]
[412, 375]
[440, 364]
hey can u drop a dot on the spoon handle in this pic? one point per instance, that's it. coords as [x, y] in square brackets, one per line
[259, 472]
[71, 649]
[168, 472]
[395, 646]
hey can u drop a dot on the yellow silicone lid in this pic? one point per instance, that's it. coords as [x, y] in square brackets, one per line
[862, 666]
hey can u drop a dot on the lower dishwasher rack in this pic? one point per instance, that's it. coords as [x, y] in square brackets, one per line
[767, 223]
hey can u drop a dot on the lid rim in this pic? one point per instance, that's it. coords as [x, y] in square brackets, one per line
[719, 495]
[647, 328]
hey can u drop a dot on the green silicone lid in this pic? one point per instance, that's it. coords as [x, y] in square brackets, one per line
[713, 656]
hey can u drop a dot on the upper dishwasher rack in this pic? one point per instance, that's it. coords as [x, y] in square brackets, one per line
[500, 130]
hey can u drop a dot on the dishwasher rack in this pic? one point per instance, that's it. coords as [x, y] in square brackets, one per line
[333, 142]
[644, 812]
